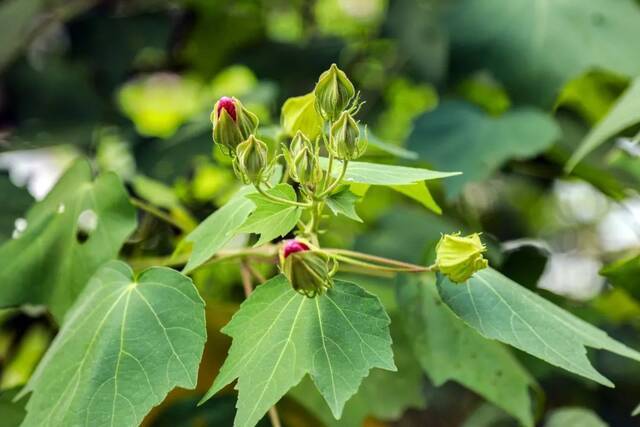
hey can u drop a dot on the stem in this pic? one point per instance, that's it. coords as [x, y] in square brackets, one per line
[381, 260]
[142, 205]
[364, 264]
[337, 182]
[245, 273]
[327, 177]
[281, 200]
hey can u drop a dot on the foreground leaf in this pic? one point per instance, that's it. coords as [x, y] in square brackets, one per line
[81, 224]
[124, 345]
[448, 349]
[280, 335]
[379, 174]
[218, 229]
[385, 395]
[420, 193]
[272, 219]
[460, 136]
[501, 309]
[624, 113]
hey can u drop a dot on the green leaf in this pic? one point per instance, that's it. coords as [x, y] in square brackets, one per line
[14, 201]
[81, 224]
[272, 219]
[218, 229]
[299, 114]
[574, 417]
[448, 349]
[343, 203]
[624, 273]
[535, 46]
[280, 335]
[460, 136]
[124, 345]
[501, 309]
[12, 412]
[624, 113]
[419, 192]
[379, 174]
[377, 143]
[385, 395]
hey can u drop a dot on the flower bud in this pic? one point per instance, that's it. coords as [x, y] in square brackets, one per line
[310, 272]
[345, 142]
[333, 92]
[232, 124]
[459, 257]
[302, 160]
[251, 162]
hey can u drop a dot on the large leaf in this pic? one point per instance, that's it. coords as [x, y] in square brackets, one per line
[299, 114]
[460, 136]
[501, 309]
[81, 224]
[379, 174]
[272, 219]
[624, 113]
[448, 349]
[384, 395]
[280, 335]
[535, 46]
[124, 345]
[218, 229]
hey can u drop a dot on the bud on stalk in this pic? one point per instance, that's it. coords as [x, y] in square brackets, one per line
[232, 124]
[302, 160]
[333, 92]
[345, 142]
[459, 257]
[251, 161]
[310, 272]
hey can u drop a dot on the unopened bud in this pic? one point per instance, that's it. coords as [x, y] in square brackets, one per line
[345, 142]
[232, 124]
[310, 272]
[251, 162]
[459, 257]
[302, 160]
[333, 92]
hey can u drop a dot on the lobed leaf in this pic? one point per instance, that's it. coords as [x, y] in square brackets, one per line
[123, 346]
[501, 309]
[343, 203]
[280, 335]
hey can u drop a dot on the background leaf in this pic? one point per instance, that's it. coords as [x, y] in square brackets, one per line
[299, 114]
[574, 417]
[124, 345]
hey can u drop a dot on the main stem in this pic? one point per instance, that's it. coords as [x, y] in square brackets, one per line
[245, 273]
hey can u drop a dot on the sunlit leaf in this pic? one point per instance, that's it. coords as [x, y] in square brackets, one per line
[299, 114]
[280, 335]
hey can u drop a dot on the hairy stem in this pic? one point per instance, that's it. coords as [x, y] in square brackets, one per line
[142, 205]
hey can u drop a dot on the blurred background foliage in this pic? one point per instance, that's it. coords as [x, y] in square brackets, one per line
[504, 91]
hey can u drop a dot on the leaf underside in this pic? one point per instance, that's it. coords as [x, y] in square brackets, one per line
[280, 335]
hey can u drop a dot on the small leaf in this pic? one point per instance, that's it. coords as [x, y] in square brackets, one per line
[280, 335]
[448, 349]
[419, 192]
[299, 114]
[343, 203]
[501, 309]
[574, 417]
[12, 412]
[81, 224]
[624, 114]
[123, 346]
[218, 229]
[272, 219]
[379, 174]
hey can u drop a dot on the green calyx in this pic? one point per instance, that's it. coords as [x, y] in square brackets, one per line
[229, 132]
[345, 142]
[303, 161]
[459, 257]
[333, 92]
[251, 162]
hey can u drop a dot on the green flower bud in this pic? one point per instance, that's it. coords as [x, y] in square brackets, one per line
[302, 160]
[310, 272]
[333, 93]
[459, 257]
[251, 162]
[345, 142]
[232, 124]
